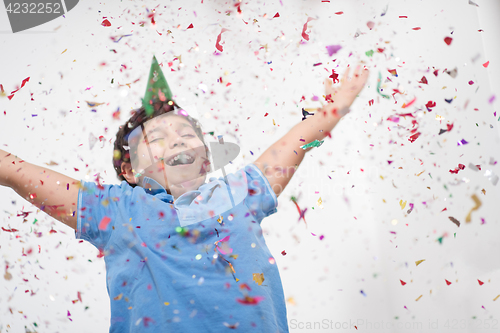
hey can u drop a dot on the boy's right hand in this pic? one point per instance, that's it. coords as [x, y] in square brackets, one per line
[54, 193]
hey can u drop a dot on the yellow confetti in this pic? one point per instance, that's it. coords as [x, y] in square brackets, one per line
[220, 219]
[402, 204]
[119, 297]
[320, 203]
[484, 191]
[291, 301]
[64, 51]
[496, 298]
[258, 278]
[381, 177]
[419, 297]
[420, 173]
[105, 202]
[7, 276]
[476, 207]
[274, 123]
[93, 104]
[418, 262]
[167, 303]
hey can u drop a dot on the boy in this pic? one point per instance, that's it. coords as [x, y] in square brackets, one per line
[182, 255]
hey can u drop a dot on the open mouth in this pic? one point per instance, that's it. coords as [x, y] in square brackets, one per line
[180, 159]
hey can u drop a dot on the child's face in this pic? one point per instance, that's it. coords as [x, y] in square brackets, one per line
[170, 152]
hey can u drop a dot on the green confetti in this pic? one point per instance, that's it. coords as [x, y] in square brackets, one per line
[35, 221]
[315, 143]
[379, 83]
[369, 53]
[440, 240]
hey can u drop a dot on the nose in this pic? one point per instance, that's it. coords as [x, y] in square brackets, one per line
[177, 141]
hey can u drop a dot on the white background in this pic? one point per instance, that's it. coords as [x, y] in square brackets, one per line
[352, 275]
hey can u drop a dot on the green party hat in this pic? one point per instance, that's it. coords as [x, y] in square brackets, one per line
[157, 88]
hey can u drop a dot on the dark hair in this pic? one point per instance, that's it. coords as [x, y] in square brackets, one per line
[138, 118]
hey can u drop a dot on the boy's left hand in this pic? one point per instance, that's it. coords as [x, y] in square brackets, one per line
[350, 86]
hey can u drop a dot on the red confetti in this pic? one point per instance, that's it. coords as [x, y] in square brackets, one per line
[480, 282]
[486, 64]
[101, 253]
[471, 83]
[448, 40]
[276, 15]
[334, 76]
[217, 43]
[283, 253]
[449, 127]
[414, 137]
[103, 225]
[250, 300]
[423, 80]
[106, 23]
[417, 28]
[429, 105]
[304, 35]
[402, 282]
[339, 13]
[191, 26]
[447, 282]
[403, 16]
[10, 230]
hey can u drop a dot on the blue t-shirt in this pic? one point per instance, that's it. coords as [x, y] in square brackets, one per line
[197, 265]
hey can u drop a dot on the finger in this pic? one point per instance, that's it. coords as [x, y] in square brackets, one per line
[346, 73]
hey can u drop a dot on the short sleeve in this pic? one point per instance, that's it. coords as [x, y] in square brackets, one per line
[98, 209]
[261, 199]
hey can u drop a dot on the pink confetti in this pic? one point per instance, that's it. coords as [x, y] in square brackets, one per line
[217, 43]
[486, 64]
[103, 225]
[332, 49]
[304, 35]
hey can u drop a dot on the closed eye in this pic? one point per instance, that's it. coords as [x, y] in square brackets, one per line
[184, 136]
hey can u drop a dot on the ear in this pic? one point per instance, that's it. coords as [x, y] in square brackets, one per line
[127, 172]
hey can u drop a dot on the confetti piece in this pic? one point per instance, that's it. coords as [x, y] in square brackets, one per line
[485, 65]
[369, 53]
[191, 26]
[447, 282]
[10, 230]
[494, 299]
[276, 15]
[339, 13]
[301, 212]
[258, 278]
[22, 85]
[332, 49]
[419, 297]
[480, 282]
[430, 105]
[315, 143]
[379, 83]
[334, 77]
[64, 51]
[414, 137]
[402, 204]
[106, 23]
[219, 37]
[304, 114]
[454, 220]
[402, 282]
[283, 253]
[417, 28]
[362, 293]
[418, 262]
[103, 225]
[304, 35]
[448, 40]
[393, 72]
[370, 25]
[250, 300]
[476, 207]
[462, 142]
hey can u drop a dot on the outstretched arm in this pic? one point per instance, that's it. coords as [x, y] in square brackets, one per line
[54, 193]
[279, 162]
